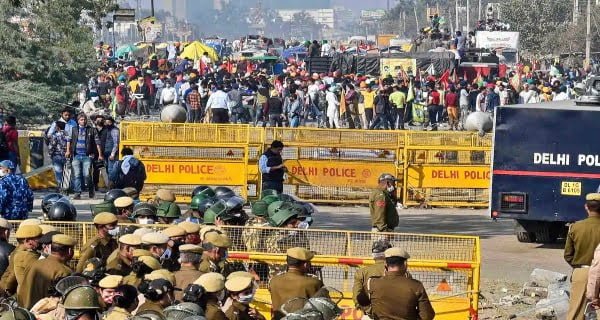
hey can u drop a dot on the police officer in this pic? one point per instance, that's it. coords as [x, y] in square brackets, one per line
[164, 195]
[103, 243]
[271, 167]
[176, 236]
[159, 294]
[124, 303]
[241, 291]
[16, 198]
[582, 239]
[144, 213]
[42, 273]
[190, 256]
[22, 257]
[362, 275]
[106, 289]
[167, 212]
[124, 207]
[252, 236]
[214, 285]
[395, 296]
[142, 265]
[192, 235]
[5, 248]
[193, 214]
[215, 247]
[295, 283]
[156, 243]
[119, 262]
[382, 205]
[81, 302]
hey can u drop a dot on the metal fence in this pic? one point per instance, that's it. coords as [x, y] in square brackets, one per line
[324, 165]
[448, 266]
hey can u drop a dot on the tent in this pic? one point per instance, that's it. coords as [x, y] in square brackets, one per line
[196, 49]
[126, 50]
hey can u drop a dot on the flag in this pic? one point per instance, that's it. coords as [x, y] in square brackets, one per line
[444, 78]
[431, 70]
[411, 93]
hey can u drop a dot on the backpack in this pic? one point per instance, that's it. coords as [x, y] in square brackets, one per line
[133, 178]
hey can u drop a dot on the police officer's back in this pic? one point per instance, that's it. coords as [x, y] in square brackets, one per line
[295, 283]
[120, 261]
[16, 197]
[582, 239]
[5, 248]
[395, 296]
[190, 256]
[382, 205]
[22, 257]
[362, 275]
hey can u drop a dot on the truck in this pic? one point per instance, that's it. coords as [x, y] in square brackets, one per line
[505, 43]
[544, 162]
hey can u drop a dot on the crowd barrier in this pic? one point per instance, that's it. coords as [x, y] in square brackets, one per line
[324, 165]
[448, 266]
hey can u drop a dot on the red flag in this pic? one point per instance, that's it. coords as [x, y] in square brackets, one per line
[444, 78]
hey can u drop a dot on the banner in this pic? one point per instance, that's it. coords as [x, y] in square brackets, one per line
[497, 39]
[391, 66]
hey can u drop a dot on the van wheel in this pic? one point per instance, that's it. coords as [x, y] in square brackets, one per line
[546, 233]
[525, 237]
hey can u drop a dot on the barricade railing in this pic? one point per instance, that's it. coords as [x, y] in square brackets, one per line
[447, 265]
[324, 165]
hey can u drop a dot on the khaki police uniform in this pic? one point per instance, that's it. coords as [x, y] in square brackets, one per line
[96, 248]
[384, 217]
[42, 274]
[8, 282]
[359, 289]
[240, 311]
[133, 279]
[207, 265]
[151, 306]
[395, 296]
[116, 264]
[293, 283]
[582, 239]
[184, 276]
[213, 310]
[213, 283]
[117, 313]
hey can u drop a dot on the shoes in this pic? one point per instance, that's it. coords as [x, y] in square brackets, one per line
[77, 196]
[92, 194]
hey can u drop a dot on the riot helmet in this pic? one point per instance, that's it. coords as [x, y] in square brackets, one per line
[62, 211]
[113, 194]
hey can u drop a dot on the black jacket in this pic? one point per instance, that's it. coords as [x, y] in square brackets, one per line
[5, 251]
[91, 140]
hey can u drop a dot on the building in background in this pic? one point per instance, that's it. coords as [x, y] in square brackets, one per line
[324, 17]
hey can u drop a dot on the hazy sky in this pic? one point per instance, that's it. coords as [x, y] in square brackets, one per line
[350, 4]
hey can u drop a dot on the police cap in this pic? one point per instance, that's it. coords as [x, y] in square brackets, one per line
[396, 252]
[141, 253]
[191, 248]
[387, 177]
[130, 191]
[28, 231]
[209, 229]
[217, 240]
[237, 284]
[63, 240]
[110, 281]
[142, 231]
[123, 202]
[165, 195]
[150, 261]
[130, 239]
[31, 221]
[161, 274]
[300, 254]
[105, 218]
[46, 228]
[240, 274]
[380, 246]
[189, 227]
[47, 238]
[4, 224]
[174, 231]
[211, 282]
[155, 238]
[592, 197]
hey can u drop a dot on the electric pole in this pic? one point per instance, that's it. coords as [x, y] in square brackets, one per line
[468, 16]
[456, 13]
[588, 34]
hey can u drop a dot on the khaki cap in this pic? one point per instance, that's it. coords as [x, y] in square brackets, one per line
[155, 238]
[130, 191]
[165, 195]
[31, 221]
[211, 282]
[141, 253]
[130, 239]
[28, 231]
[174, 231]
[110, 282]
[244, 274]
[104, 218]
[300, 254]
[208, 229]
[123, 202]
[192, 248]
[63, 240]
[45, 316]
[592, 197]
[396, 252]
[189, 227]
[218, 240]
[47, 228]
[151, 262]
[142, 231]
[4, 224]
[237, 284]
[161, 274]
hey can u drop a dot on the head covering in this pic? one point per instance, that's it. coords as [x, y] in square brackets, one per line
[396, 252]
[110, 281]
[64, 240]
[104, 218]
[211, 282]
[300, 254]
[28, 231]
[237, 284]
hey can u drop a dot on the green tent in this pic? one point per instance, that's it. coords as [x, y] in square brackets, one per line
[126, 50]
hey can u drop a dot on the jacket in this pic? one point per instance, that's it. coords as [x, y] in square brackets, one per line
[5, 250]
[91, 140]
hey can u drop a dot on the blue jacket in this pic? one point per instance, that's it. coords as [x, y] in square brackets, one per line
[16, 198]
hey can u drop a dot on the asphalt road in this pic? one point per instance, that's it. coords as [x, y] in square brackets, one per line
[503, 257]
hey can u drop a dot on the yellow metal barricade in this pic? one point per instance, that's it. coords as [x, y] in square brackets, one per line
[448, 266]
[447, 169]
[182, 156]
[337, 166]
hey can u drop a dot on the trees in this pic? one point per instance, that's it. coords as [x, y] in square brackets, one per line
[46, 52]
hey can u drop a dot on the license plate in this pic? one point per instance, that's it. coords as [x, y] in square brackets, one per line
[570, 188]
